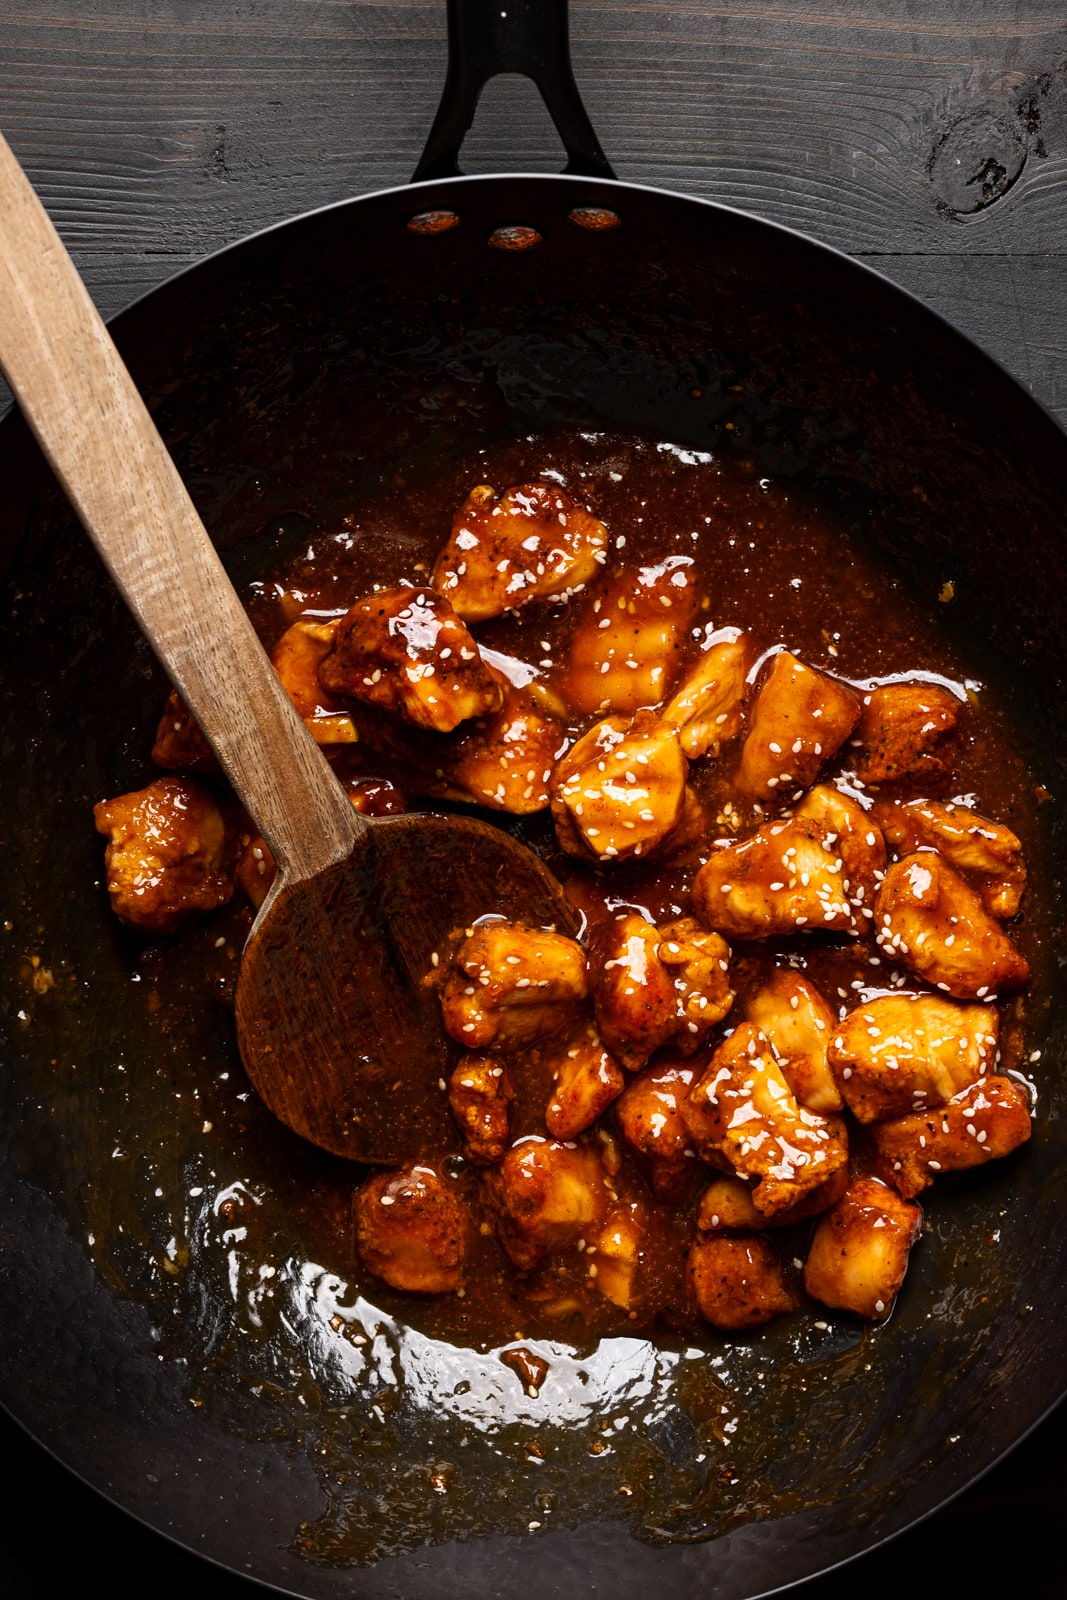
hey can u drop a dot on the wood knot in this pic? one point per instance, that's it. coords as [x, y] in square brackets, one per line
[982, 153]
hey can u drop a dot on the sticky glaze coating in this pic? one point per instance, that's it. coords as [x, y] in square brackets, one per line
[795, 823]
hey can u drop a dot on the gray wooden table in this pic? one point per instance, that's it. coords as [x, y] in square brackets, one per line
[926, 137]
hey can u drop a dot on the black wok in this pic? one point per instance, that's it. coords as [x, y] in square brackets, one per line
[144, 1191]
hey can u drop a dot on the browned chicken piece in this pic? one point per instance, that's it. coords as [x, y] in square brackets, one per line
[531, 543]
[855, 837]
[928, 919]
[742, 1109]
[412, 1229]
[975, 847]
[296, 658]
[738, 1283]
[800, 719]
[620, 791]
[618, 1252]
[799, 1023]
[256, 867]
[906, 1052]
[545, 1197]
[653, 985]
[586, 1079]
[907, 734]
[167, 857]
[782, 880]
[859, 1254]
[649, 1118]
[406, 651]
[504, 761]
[987, 1120]
[509, 986]
[628, 650]
[727, 1203]
[479, 1095]
[706, 709]
[180, 745]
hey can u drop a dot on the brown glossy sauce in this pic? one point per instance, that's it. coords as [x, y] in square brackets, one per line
[766, 560]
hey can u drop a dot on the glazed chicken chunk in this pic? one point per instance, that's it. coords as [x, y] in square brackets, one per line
[586, 1079]
[628, 650]
[793, 1015]
[652, 985]
[649, 1118]
[784, 879]
[180, 745]
[986, 1120]
[727, 1204]
[620, 791]
[296, 658]
[478, 1096]
[907, 1052]
[509, 986]
[706, 709]
[406, 651]
[800, 719]
[907, 734]
[975, 847]
[167, 856]
[851, 834]
[927, 918]
[531, 543]
[743, 1110]
[859, 1254]
[412, 1229]
[738, 1283]
[503, 762]
[545, 1196]
[618, 1252]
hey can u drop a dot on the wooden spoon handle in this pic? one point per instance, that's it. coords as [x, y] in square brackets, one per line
[82, 405]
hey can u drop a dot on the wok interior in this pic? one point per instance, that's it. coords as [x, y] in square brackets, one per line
[285, 376]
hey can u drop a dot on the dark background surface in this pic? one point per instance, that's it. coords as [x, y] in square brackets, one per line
[926, 137]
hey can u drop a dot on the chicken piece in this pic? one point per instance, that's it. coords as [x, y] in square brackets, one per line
[927, 918]
[168, 856]
[742, 1109]
[180, 745]
[706, 710]
[727, 1203]
[620, 791]
[801, 718]
[907, 1052]
[649, 1118]
[652, 985]
[478, 1096]
[799, 1023]
[859, 1254]
[296, 658]
[784, 879]
[586, 1080]
[975, 847]
[504, 761]
[406, 651]
[854, 836]
[629, 648]
[986, 1120]
[738, 1283]
[907, 734]
[412, 1229]
[545, 1196]
[618, 1252]
[509, 986]
[256, 867]
[531, 543]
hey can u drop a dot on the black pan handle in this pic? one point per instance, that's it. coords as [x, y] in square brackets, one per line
[486, 37]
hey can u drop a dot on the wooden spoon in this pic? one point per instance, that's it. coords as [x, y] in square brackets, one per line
[337, 1029]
